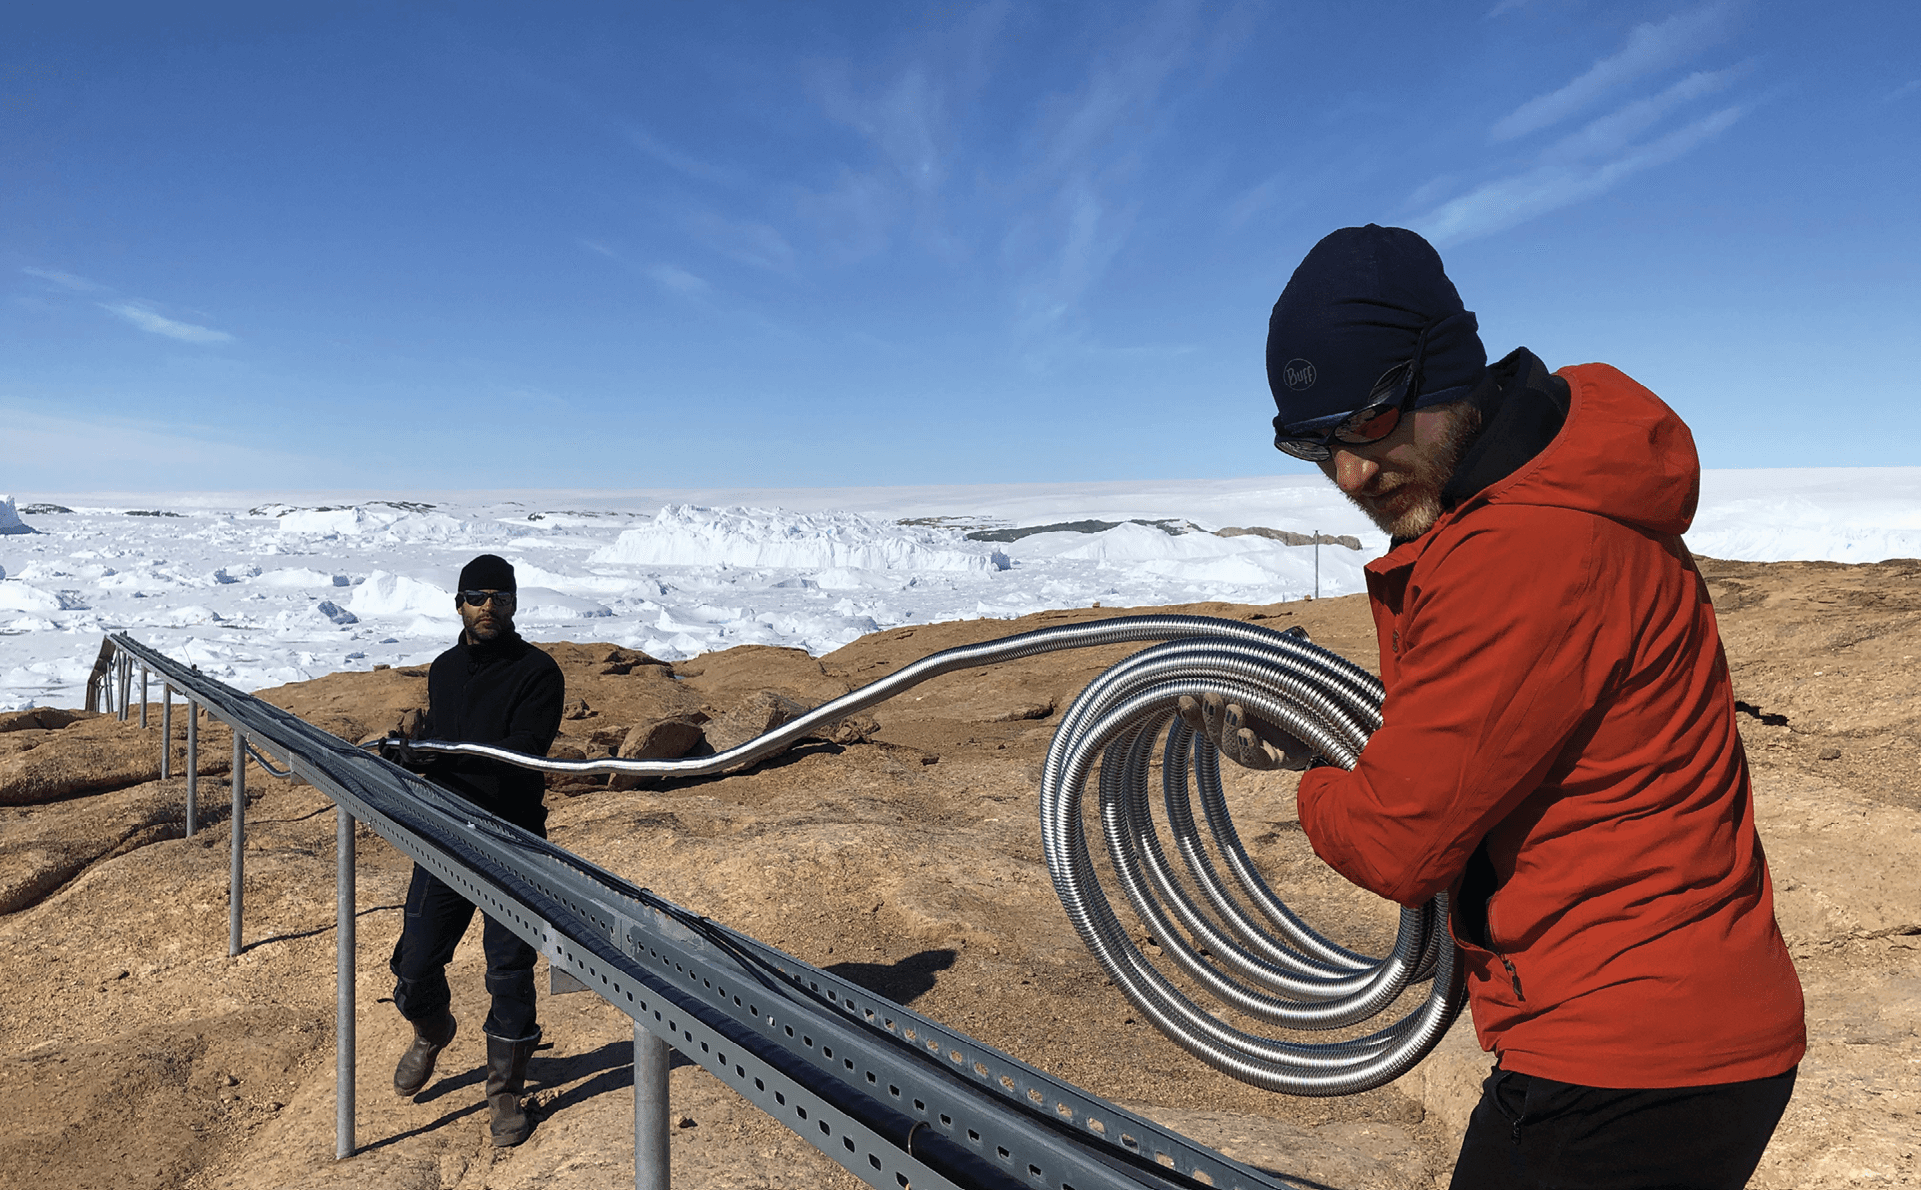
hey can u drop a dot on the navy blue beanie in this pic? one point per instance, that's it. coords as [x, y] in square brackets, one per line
[489, 572]
[1365, 300]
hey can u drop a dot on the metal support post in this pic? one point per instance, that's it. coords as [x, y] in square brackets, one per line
[237, 821]
[143, 697]
[1317, 563]
[344, 989]
[166, 730]
[193, 763]
[651, 1059]
[126, 687]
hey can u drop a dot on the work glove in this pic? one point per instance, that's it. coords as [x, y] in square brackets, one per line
[395, 749]
[1249, 742]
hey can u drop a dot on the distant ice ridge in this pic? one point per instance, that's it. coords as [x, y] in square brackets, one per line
[389, 524]
[773, 538]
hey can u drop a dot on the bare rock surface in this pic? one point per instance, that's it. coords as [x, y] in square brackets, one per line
[906, 856]
[89, 754]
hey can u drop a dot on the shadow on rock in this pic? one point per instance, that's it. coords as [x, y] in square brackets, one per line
[901, 982]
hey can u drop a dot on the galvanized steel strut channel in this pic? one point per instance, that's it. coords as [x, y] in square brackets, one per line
[894, 1097]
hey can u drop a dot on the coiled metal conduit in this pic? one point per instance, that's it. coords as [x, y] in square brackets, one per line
[1233, 936]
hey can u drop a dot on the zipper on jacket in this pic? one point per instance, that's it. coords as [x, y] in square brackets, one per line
[1513, 977]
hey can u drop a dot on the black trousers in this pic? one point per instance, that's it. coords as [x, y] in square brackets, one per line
[1532, 1133]
[436, 918]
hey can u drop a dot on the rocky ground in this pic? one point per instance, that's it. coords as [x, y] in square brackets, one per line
[905, 855]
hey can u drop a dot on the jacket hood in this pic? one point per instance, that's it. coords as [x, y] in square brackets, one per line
[1622, 454]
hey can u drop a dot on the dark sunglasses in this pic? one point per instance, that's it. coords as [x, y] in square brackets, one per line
[1313, 440]
[503, 600]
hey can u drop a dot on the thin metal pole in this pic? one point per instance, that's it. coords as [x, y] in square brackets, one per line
[126, 687]
[344, 989]
[1317, 563]
[236, 872]
[143, 696]
[193, 763]
[651, 1059]
[166, 730]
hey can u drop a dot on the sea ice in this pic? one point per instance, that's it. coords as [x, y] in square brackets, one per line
[10, 521]
[258, 593]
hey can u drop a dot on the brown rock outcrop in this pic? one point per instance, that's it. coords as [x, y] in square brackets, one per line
[96, 753]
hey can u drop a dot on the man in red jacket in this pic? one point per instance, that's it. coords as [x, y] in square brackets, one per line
[1558, 749]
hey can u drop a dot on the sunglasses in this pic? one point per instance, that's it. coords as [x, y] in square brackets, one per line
[1314, 440]
[503, 600]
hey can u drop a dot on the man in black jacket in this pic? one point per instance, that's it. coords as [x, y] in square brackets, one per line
[493, 688]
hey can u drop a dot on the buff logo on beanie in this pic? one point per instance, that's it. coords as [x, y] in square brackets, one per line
[489, 572]
[1364, 301]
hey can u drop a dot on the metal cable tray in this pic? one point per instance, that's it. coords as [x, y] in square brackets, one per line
[897, 1099]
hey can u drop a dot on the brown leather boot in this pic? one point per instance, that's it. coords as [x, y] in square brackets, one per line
[506, 1076]
[417, 1064]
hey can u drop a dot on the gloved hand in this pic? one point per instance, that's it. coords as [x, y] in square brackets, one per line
[1249, 742]
[395, 749]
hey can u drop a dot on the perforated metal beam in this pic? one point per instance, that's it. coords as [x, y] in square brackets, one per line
[892, 1096]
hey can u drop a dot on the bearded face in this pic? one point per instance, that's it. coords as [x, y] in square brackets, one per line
[1398, 481]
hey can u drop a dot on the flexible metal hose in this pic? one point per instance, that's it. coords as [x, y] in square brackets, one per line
[1233, 937]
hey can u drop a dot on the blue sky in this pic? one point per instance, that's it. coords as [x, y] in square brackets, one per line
[782, 244]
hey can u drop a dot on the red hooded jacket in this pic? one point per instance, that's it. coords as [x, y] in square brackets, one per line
[1556, 686]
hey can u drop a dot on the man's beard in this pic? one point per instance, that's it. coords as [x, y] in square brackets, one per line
[1406, 504]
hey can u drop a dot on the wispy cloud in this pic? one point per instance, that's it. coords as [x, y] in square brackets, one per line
[671, 157]
[64, 280]
[677, 280]
[745, 240]
[1903, 91]
[1507, 201]
[153, 323]
[136, 312]
[894, 187]
[1091, 144]
[1649, 48]
[1616, 132]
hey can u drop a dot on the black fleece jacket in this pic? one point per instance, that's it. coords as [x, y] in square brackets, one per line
[503, 692]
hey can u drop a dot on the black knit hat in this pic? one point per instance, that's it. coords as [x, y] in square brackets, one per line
[489, 572]
[1365, 300]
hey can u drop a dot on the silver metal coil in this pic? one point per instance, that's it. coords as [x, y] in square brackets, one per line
[1230, 934]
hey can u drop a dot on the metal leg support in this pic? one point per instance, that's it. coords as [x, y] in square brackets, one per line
[166, 730]
[344, 991]
[143, 696]
[236, 870]
[651, 1058]
[193, 763]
